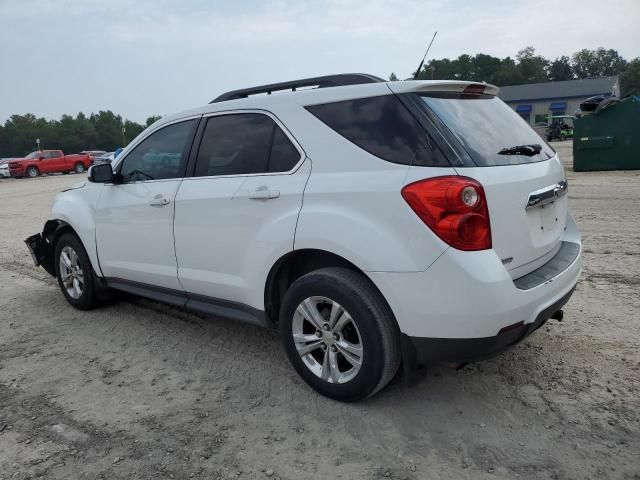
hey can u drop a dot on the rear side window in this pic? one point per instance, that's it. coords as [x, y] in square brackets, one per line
[383, 127]
[284, 155]
[488, 130]
[242, 144]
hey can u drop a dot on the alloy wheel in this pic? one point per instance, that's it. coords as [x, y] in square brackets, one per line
[327, 340]
[71, 272]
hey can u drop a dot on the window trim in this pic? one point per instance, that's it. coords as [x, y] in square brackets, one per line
[278, 122]
[132, 146]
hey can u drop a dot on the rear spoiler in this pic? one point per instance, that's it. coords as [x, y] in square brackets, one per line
[443, 86]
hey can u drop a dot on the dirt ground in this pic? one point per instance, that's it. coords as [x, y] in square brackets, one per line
[142, 390]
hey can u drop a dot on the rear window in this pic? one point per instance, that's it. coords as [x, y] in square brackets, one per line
[484, 126]
[383, 127]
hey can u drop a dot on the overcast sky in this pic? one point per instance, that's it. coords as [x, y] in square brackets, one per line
[144, 57]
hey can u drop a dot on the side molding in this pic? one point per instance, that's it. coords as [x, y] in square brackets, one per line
[198, 303]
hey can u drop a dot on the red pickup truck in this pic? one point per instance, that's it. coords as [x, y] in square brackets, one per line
[48, 161]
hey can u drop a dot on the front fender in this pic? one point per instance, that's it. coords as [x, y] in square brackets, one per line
[77, 208]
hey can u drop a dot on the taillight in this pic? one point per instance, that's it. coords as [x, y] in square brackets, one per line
[454, 208]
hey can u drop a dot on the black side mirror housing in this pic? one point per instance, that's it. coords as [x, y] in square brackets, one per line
[101, 173]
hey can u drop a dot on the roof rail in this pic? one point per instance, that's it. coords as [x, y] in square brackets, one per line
[318, 82]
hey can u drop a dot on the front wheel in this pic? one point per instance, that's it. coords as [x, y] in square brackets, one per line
[32, 172]
[79, 168]
[340, 334]
[74, 272]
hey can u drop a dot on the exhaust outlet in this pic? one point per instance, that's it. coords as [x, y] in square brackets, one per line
[558, 315]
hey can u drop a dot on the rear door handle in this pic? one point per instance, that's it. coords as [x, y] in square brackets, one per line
[159, 201]
[263, 193]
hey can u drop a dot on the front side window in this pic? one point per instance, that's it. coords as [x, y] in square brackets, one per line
[54, 154]
[242, 144]
[161, 155]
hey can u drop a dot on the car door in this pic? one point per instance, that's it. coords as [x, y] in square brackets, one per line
[51, 162]
[237, 215]
[134, 217]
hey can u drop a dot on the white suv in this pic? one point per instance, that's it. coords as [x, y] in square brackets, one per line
[372, 224]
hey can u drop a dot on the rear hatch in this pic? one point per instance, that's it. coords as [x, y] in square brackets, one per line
[523, 178]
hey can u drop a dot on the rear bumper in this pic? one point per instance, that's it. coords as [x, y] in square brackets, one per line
[470, 295]
[419, 351]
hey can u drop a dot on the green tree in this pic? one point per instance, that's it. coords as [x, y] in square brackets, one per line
[108, 126]
[507, 73]
[597, 63]
[132, 130]
[74, 134]
[479, 68]
[531, 67]
[21, 132]
[484, 68]
[630, 79]
[560, 69]
[393, 77]
[152, 119]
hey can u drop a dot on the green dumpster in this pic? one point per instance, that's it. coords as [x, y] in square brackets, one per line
[608, 139]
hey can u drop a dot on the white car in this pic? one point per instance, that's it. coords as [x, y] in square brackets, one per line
[4, 167]
[107, 157]
[370, 223]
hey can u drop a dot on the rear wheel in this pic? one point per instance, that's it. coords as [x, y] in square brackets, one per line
[79, 168]
[340, 334]
[32, 172]
[74, 272]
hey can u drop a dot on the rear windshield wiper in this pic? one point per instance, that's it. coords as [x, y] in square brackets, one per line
[528, 150]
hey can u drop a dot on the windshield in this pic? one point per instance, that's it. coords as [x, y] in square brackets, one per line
[486, 128]
[33, 155]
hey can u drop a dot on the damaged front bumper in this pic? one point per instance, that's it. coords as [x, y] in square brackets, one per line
[41, 252]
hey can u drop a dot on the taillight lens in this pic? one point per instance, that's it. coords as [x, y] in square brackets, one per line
[475, 89]
[454, 208]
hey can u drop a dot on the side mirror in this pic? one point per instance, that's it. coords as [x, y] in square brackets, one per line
[101, 173]
[41, 157]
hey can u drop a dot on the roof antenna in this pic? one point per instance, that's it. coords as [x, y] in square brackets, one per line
[415, 77]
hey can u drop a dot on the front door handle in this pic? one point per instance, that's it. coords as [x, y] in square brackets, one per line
[263, 193]
[159, 201]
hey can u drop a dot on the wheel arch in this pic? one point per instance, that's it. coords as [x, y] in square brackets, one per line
[295, 264]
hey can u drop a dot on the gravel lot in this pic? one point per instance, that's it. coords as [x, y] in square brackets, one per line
[142, 390]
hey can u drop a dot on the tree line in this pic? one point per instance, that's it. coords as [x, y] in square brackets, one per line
[106, 131]
[99, 131]
[528, 67]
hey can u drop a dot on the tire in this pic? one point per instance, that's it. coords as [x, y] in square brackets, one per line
[369, 325]
[31, 172]
[86, 296]
[79, 167]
